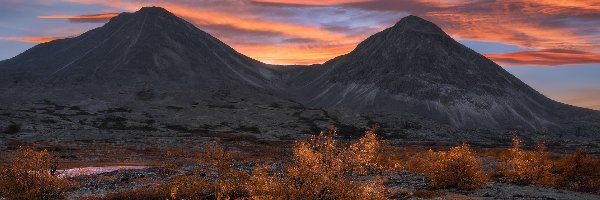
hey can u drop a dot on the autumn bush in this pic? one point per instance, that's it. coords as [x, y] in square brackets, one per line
[322, 169]
[527, 167]
[319, 168]
[371, 153]
[227, 181]
[578, 171]
[30, 175]
[456, 168]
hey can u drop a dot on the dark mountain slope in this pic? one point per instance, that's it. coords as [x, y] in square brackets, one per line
[415, 68]
[149, 48]
[145, 73]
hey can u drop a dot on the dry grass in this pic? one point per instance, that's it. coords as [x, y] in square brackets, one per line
[30, 175]
[320, 168]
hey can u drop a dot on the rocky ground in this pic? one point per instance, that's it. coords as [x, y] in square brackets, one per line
[127, 135]
[404, 184]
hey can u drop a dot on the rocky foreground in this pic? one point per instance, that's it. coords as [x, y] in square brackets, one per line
[407, 185]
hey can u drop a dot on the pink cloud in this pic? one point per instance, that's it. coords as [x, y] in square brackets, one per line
[548, 57]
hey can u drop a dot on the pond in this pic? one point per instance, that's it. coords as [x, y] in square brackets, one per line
[82, 171]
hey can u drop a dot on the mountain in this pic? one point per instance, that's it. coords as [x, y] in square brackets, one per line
[151, 72]
[151, 48]
[415, 68]
[144, 73]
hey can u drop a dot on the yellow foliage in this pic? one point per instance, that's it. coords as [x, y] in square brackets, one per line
[185, 187]
[578, 171]
[322, 169]
[457, 168]
[229, 182]
[30, 175]
[525, 167]
[370, 152]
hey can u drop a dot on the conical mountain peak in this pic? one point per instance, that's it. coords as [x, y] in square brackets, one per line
[154, 16]
[148, 46]
[153, 9]
[415, 23]
[416, 67]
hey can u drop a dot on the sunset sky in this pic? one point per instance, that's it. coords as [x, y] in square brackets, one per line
[553, 45]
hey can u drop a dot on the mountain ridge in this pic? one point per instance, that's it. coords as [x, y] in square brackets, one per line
[412, 70]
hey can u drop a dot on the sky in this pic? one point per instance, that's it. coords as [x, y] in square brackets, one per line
[552, 45]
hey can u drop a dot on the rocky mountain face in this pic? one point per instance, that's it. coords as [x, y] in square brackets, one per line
[149, 49]
[150, 71]
[144, 72]
[414, 67]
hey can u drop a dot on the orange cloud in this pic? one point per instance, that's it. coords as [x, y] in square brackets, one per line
[279, 54]
[326, 44]
[509, 27]
[548, 57]
[216, 18]
[584, 4]
[95, 18]
[543, 24]
[311, 2]
[31, 39]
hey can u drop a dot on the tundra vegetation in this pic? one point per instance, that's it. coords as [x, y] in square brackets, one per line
[324, 167]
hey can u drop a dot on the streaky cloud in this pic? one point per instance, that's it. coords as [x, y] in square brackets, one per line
[547, 57]
[93, 18]
[31, 39]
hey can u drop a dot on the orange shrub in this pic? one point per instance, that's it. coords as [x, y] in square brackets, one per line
[262, 185]
[526, 167]
[185, 187]
[322, 169]
[30, 175]
[372, 153]
[457, 168]
[228, 181]
[578, 171]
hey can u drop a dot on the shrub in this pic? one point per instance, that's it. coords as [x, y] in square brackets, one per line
[263, 185]
[30, 175]
[457, 168]
[578, 171]
[527, 167]
[372, 153]
[228, 181]
[185, 187]
[322, 169]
